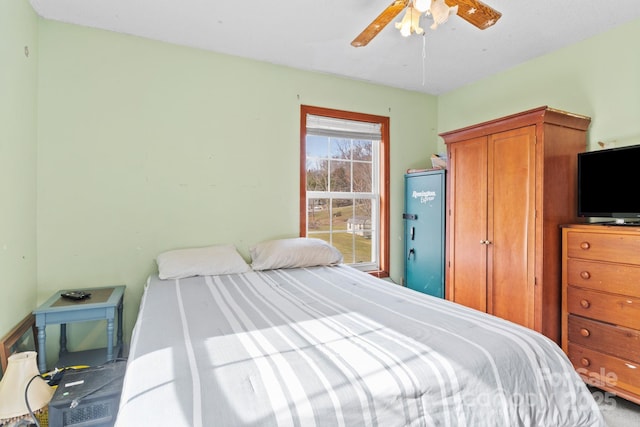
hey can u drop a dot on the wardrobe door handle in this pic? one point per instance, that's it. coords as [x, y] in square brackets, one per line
[585, 332]
[585, 303]
[585, 275]
[585, 245]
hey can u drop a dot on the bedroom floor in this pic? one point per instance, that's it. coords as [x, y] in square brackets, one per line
[617, 412]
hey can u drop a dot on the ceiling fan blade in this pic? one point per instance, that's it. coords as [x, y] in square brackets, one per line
[475, 12]
[379, 23]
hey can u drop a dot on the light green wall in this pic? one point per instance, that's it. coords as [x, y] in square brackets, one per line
[146, 146]
[18, 90]
[598, 77]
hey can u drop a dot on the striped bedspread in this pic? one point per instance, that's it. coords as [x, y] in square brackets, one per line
[332, 346]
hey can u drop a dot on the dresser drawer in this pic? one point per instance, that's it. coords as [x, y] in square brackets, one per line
[615, 278]
[602, 370]
[622, 248]
[616, 309]
[614, 340]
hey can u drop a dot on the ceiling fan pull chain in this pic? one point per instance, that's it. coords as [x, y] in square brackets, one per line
[424, 58]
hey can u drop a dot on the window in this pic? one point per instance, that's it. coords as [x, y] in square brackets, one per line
[344, 184]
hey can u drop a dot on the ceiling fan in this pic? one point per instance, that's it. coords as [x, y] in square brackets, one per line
[473, 11]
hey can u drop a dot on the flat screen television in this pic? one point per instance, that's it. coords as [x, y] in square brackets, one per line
[608, 183]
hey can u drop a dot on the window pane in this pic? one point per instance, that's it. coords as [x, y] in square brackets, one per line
[363, 239]
[342, 239]
[363, 250]
[340, 176]
[363, 209]
[362, 177]
[318, 215]
[317, 146]
[362, 150]
[341, 212]
[341, 148]
[344, 243]
[317, 175]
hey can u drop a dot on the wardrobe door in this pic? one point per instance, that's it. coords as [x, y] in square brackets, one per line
[511, 225]
[467, 269]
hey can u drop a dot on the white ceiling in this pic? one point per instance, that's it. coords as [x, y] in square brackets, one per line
[316, 34]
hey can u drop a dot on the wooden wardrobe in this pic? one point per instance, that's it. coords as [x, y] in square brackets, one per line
[511, 184]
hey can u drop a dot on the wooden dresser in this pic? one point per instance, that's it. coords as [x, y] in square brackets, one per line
[601, 305]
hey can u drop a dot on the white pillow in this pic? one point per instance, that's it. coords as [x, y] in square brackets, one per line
[293, 253]
[208, 261]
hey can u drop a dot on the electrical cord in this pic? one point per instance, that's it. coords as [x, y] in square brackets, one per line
[26, 401]
[75, 402]
[56, 372]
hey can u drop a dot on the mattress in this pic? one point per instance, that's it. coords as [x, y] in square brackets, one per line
[332, 346]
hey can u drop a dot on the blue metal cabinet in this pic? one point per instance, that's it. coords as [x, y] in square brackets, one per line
[424, 232]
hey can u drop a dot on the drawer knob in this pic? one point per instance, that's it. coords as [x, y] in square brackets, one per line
[585, 362]
[585, 275]
[585, 245]
[585, 332]
[585, 303]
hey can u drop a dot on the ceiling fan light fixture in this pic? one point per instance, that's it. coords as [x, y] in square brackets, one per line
[421, 6]
[441, 12]
[410, 22]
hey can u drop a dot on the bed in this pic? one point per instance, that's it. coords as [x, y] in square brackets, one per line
[332, 346]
